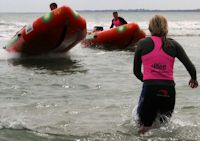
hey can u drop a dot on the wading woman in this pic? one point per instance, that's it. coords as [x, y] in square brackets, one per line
[157, 55]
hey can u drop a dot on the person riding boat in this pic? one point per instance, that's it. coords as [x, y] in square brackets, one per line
[117, 21]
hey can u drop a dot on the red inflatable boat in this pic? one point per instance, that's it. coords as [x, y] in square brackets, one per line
[115, 38]
[57, 31]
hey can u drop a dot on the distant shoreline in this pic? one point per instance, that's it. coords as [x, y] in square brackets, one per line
[124, 10]
[142, 10]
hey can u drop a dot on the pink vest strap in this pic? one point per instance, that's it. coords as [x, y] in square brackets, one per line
[117, 22]
[157, 65]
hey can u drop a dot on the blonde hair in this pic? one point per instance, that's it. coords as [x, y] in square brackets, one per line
[158, 26]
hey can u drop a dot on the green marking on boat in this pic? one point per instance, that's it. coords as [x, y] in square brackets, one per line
[89, 37]
[76, 15]
[121, 29]
[47, 17]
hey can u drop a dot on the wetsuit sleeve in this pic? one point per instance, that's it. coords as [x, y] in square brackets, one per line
[112, 24]
[137, 65]
[122, 20]
[182, 56]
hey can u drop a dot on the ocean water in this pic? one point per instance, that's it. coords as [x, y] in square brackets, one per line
[89, 94]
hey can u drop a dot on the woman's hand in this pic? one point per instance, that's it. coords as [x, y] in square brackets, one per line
[193, 83]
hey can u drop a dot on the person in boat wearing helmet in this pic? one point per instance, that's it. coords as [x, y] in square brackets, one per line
[117, 21]
[53, 6]
[157, 54]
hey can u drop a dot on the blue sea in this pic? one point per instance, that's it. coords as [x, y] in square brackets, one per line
[90, 94]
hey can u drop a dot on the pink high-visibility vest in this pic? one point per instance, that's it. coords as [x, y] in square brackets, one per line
[157, 65]
[117, 22]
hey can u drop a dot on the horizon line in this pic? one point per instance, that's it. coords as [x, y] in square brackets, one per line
[110, 10]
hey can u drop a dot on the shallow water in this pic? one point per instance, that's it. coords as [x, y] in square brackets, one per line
[89, 94]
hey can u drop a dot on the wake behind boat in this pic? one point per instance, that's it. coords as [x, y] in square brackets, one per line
[57, 31]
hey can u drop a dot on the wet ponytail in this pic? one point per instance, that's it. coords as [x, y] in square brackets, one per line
[165, 41]
[158, 26]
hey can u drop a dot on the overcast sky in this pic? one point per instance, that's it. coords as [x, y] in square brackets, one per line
[43, 5]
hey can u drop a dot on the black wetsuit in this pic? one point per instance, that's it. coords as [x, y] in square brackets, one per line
[121, 20]
[158, 96]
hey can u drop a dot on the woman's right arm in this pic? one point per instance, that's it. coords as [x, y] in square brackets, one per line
[138, 62]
